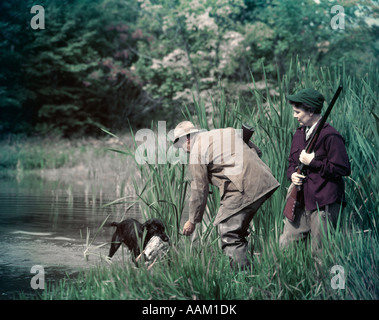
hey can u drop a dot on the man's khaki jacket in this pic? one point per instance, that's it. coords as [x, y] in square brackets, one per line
[220, 157]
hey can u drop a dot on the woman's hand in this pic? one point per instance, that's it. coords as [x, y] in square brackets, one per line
[306, 158]
[297, 179]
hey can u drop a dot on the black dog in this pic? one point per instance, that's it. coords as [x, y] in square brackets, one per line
[130, 232]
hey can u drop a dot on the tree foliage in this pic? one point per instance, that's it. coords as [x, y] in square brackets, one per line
[114, 62]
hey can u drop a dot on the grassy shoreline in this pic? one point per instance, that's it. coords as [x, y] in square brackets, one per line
[76, 162]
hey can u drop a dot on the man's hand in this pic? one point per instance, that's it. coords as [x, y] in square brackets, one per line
[297, 179]
[188, 228]
[306, 158]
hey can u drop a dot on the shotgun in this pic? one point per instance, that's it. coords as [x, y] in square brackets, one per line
[294, 191]
[247, 132]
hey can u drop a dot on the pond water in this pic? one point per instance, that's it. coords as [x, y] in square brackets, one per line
[46, 223]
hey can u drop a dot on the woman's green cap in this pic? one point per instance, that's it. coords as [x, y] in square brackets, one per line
[308, 96]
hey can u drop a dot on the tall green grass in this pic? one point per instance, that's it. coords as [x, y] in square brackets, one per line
[191, 273]
[198, 269]
[28, 154]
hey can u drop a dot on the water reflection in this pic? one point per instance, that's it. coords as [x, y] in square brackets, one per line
[46, 223]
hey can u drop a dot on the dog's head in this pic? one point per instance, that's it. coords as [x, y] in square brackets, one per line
[155, 227]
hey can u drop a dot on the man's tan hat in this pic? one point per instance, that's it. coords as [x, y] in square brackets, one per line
[182, 129]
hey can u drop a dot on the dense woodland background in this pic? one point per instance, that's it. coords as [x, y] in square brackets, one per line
[112, 63]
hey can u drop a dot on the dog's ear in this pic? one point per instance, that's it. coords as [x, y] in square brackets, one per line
[147, 224]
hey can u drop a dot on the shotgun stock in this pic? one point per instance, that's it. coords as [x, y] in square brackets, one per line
[293, 194]
[247, 132]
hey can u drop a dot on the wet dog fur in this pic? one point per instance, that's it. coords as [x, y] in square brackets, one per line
[131, 232]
